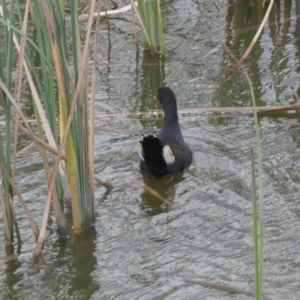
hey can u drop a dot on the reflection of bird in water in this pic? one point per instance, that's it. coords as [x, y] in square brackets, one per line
[165, 187]
[167, 153]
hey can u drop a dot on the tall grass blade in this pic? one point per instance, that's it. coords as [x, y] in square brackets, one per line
[259, 274]
[73, 114]
[7, 11]
[260, 231]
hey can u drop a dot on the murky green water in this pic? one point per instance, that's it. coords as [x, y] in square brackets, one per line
[140, 248]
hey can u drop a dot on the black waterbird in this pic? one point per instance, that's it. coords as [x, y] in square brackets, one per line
[167, 153]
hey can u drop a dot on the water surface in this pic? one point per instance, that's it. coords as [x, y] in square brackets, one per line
[140, 248]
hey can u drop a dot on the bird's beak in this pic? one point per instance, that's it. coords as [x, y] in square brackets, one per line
[155, 97]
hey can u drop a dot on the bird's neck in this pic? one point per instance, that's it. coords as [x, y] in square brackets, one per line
[170, 124]
[170, 119]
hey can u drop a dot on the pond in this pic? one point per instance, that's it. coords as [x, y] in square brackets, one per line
[140, 248]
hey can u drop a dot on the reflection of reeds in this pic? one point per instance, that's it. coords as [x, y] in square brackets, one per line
[250, 47]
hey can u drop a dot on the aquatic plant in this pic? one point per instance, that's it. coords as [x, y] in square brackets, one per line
[58, 88]
[6, 75]
[149, 15]
[74, 122]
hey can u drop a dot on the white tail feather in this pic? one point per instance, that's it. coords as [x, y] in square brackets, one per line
[140, 150]
[168, 155]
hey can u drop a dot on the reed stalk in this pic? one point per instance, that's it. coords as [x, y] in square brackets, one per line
[258, 212]
[258, 215]
[68, 81]
[59, 87]
[149, 15]
[6, 70]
